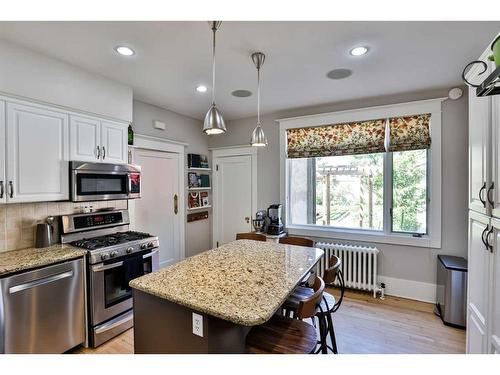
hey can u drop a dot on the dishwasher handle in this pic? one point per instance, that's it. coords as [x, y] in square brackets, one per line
[40, 282]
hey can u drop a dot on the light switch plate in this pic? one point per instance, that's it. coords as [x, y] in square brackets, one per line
[159, 125]
[198, 324]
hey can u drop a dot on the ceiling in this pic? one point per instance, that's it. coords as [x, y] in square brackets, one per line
[172, 58]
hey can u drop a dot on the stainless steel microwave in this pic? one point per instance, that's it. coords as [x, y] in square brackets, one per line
[103, 181]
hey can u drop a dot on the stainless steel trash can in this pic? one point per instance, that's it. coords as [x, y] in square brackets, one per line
[451, 290]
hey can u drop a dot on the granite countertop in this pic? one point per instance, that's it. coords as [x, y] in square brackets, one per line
[243, 282]
[26, 259]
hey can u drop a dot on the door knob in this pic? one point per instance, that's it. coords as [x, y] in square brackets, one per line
[247, 219]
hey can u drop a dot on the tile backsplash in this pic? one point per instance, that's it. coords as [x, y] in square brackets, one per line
[18, 221]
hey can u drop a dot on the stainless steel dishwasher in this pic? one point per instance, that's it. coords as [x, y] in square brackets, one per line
[43, 311]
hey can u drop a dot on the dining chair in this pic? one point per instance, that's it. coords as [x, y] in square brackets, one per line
[251, 236]
[284, 335]
[329, 304]
[298, 241]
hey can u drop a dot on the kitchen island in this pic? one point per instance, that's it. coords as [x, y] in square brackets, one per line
[208, 303]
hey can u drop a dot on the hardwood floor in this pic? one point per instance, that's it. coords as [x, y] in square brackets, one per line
[364, 325]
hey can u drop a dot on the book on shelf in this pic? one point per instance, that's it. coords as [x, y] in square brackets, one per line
[194, 200]
[197, 161]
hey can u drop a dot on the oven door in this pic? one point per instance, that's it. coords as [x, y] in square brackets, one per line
[110, 294]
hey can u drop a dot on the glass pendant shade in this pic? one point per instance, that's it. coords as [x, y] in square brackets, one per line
[214, 123]
[258, 137]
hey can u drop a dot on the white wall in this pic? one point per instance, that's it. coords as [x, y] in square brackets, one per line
[32, 75]
[400, 262]
[183, 129]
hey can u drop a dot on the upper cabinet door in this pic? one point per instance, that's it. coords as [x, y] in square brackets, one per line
[2, 153]
[494, 191]
[114, 142]
[479, 148]
[85, 139]
[37, 154]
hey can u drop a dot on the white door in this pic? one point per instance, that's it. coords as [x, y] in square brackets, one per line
[157, 211]
[494, 298]
[2, 153]
[478, 280]
[85, 138]
[37, 154]
[479, 149]
[233, 197]
[113, 142]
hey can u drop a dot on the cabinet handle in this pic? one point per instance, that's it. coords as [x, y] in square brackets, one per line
[176, 204]
[490, 200]
[488, 245]
[98, 152]
[103, 152]
[482, 236]
[11, 186]
[483, 188]
[1, 189]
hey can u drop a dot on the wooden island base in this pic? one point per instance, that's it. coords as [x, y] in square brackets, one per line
[164, 327]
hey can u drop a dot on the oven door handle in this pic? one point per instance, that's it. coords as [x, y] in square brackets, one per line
[149, 255]
[100, 267]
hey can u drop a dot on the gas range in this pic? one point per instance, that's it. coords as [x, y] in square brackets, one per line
[115, 255]
[116, 245]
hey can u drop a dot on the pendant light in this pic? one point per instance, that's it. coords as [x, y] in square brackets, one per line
[214, 123]
[258, 137]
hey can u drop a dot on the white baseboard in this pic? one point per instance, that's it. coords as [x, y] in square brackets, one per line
[411, 289]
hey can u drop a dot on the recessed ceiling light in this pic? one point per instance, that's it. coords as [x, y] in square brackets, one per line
[241, 93]
[125, 51]
[201, 88]
[359, 51]
[340, 73]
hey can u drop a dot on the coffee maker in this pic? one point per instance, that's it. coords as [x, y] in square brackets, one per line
[275, 226]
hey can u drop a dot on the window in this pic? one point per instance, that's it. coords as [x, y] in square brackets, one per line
[348, 191]
[343, 181]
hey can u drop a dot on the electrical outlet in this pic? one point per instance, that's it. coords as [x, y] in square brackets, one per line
[198, 324]
[159, 125]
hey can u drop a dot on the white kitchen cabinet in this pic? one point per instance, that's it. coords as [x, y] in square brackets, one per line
[494, 192]
[483, 283]
[96, 140]
[114, 142]
[494, 287]
[477, 293]
[3, 198]
[37, 153]
[85, 138]
[479, 145]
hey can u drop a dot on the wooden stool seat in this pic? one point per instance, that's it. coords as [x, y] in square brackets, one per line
[281, 335]
[298, 241]
[251, 236]
[302, 292]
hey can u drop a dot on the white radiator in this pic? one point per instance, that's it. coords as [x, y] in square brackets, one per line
[359, 264]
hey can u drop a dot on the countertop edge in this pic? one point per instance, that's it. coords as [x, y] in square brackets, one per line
[72, 253]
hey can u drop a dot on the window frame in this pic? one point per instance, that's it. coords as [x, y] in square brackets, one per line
[433, 237]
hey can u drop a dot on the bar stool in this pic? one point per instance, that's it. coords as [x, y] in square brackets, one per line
[298, 241]
[251, 236]
[326, 308]
[283, 335]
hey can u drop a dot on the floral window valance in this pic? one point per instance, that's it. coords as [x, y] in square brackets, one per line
[409, 133]
[353, 138]
[363, 137]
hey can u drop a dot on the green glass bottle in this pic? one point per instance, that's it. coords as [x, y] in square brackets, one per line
[130, 135]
